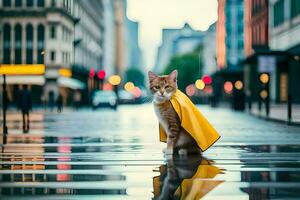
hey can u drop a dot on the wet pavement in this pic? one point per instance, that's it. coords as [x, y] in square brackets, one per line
[117, 155]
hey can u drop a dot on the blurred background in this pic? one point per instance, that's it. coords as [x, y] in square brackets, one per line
[94, 53]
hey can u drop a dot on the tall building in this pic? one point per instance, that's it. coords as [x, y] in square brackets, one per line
[209, 51]
[230, 33]
[220, 35]
[175, 42]
[256, 26]
[133, 51]
[56, 34]
[109, 45]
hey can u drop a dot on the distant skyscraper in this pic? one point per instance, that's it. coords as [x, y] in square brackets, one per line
[209, 50]
[175, 42]
[230, 27]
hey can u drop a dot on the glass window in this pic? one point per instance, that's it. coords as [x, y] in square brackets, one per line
[53, 32]
[40, 3]
[29, 3]
[6, 3]
[278, 13]
[295, 8]
[41, 41]
[6, 43]
[52, 56]
[18, 3]
[18, 44]
[29, 44]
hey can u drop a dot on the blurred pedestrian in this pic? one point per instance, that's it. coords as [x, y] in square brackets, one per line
[51, 100]
[77, 99]
[59, 103]
[25, 104]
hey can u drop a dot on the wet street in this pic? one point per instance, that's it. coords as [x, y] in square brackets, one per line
[109, 154]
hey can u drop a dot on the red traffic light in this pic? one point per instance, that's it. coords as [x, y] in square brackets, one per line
[101, 74]
[92, 73]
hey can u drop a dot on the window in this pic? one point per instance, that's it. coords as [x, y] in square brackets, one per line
[29, 3]
[41, 41]
[53, 32]
[40, 3]
[278, 13]
[6, 43]
[53, 3]
[7, 3]
[18, 3]
[52, 56]
[29, 44]
[295, 8]
[18, 44]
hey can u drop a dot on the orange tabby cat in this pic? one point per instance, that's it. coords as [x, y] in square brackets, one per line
[162, 88]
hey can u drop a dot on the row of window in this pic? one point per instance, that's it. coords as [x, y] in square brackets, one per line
[28, 3]
[257, 5]
[7, 48]
[278, 11]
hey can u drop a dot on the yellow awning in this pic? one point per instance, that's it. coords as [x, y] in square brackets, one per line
[35, 69]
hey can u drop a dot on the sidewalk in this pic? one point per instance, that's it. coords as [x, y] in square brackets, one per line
[278, 112]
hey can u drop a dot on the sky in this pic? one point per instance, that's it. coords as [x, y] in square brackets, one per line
[154, 15]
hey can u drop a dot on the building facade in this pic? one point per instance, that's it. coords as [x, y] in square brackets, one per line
[284, 27]
[58, 34]
[209, 51]
[175, 42]
[109, 45]
[220, 35]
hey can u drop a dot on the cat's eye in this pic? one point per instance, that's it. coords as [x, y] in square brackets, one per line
[156, 87]
[168, 87]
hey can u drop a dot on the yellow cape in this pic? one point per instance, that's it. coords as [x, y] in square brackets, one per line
[192, 121]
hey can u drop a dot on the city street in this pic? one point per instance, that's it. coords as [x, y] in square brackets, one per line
[106, 154]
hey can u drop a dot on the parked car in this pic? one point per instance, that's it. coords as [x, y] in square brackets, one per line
[104, 99]
[126, 97]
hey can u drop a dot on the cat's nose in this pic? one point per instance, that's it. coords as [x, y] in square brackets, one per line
[161, 93]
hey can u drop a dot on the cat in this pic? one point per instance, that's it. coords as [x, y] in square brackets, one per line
[178, 139]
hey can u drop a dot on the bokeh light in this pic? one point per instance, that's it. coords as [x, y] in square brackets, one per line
[114, 79]
[200, 84]
[101, 74]
[264, 94]
[107, 86]
[264, 78]
[238, 85]
[129, 86]
[190, 90]
[136, 91]
[207, 79]
[228, 87]
[92, 73]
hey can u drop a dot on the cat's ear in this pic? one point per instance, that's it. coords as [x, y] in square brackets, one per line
[173, 75]
[151, 75]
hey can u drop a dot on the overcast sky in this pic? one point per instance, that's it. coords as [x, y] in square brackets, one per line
[154, 15]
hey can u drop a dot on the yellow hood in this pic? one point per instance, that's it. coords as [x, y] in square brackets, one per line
[192, 121]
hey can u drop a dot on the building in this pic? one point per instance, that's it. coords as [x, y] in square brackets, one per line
[88, 42]
[256, 26]
[220, 35]
[175, 42]
[133, 51]
[42, 36]
[120, 16]
[109, 45]
[209, 50]
[60, 35]
[284, 27]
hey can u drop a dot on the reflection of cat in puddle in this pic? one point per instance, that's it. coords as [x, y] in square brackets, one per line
[182, 178]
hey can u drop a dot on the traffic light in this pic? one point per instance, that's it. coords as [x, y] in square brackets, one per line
[264, 93]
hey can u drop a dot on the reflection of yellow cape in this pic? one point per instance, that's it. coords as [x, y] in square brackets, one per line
[192, 121]
[192, 188]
